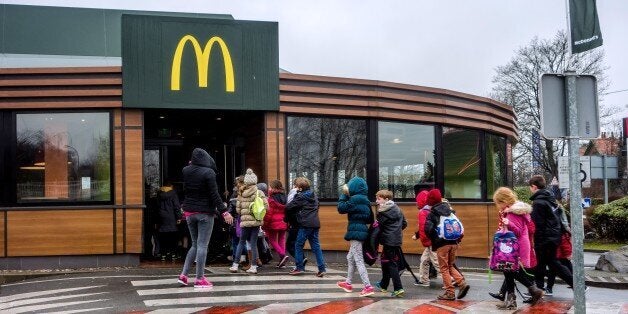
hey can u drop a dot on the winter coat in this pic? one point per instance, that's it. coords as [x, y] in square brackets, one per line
[425, 239]
[200, 187]
[391, 223]
[531, 230]
[431, 222]
[548, 227]
[302, 211]
[518, 216]
[246, 196]
[358, 209]
[565, 249]
[169, 209]
[276, 212]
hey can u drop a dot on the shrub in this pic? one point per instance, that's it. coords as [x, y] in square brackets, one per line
[523, 193]
[611, 220]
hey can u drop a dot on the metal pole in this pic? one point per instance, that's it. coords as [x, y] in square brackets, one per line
[605, 180]
[575, 199]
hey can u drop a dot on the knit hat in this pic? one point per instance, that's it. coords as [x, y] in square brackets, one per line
[250, 178]
[421, 199]
[263, 187]
[434, 197]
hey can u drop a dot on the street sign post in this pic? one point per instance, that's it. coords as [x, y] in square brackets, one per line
[584, 174]
[604, 167]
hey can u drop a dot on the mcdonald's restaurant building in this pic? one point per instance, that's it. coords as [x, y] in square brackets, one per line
[99, 107]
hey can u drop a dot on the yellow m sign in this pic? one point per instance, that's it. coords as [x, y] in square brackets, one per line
[202, 62]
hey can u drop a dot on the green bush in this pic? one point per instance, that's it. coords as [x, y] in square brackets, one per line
[523, 193]
[610, 221]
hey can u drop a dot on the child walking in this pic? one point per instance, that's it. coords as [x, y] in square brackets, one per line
[391, 223]
[428, 255]
[274, 224]
[354, 202]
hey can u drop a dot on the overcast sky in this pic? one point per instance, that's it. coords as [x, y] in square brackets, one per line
[454, 45]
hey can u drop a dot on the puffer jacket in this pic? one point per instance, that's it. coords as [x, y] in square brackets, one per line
[358, 209]
[391, 223]
[302, 211]
[548, 226]
[276, 212]
[431, 222]
[518, 216]
[169, 209]
[200, 187]
[246, 196]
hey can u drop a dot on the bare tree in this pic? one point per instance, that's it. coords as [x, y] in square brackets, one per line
[517, 84]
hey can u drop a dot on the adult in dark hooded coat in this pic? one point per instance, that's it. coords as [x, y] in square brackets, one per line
[202, 202]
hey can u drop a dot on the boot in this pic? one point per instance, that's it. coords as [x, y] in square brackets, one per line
[510, 303]
[249, 255]
[536, 294]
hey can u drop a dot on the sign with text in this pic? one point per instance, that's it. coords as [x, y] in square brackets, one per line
[199, 63]
[584, 172]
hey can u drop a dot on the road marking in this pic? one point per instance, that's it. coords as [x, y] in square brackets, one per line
[19, 303]
[615, 279]
[271, 287]
[41, 307]
[602, 279]
[180, 310]
[41, 293]
[236, 279]
[285, 307]
[247, 298]
[95, 309]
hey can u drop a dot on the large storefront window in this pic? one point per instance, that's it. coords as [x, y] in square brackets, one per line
[495, 163]
[461, 150]
[406, 158]
[63, 157]
[327, 151]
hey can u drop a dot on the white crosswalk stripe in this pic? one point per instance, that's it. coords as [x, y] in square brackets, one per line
[41, 293]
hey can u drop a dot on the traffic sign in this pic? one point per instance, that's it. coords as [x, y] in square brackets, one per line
[563, 171]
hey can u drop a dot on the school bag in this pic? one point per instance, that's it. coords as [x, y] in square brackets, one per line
[450, 227]
[257, 207]
[370, 247]
[505, 255]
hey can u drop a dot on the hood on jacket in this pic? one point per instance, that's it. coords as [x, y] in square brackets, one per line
[357, 186]
[386, 206]
[442, 209]
[166, 192]
[545, 195]
[519, 208]
[201, 158]
[421, 199]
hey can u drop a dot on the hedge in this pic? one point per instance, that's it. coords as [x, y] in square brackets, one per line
[610, 221]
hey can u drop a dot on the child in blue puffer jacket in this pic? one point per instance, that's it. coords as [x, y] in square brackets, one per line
[355, 203]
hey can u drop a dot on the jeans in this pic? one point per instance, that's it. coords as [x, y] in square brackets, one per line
[248, 234]
[291, 241]
[311, 235]
[201, 226]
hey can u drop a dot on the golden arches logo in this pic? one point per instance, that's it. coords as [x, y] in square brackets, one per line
[202, 62]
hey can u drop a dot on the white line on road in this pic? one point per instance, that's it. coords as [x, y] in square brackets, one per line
[389, 306]
[238, 278]
[41, 293]
[248, 298]
[41, 307]
[180, 310]
[267, 288]
[285, 307]
[94, 309]
[19, 303]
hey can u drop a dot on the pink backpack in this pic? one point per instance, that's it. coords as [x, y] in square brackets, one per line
[505, 255]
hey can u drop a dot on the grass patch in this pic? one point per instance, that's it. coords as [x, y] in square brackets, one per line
[602, 245]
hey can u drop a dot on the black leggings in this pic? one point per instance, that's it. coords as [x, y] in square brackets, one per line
[390, 258]
[520, 276]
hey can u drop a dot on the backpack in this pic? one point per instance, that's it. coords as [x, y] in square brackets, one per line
[257, 207]
[450, 227]
[370, 247]
[505, 255]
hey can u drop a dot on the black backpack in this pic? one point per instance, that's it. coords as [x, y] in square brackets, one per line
[370, 247]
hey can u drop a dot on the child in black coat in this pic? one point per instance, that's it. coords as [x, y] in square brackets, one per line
[391, 223]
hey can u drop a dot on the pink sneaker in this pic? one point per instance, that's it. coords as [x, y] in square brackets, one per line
[367, 291]
[183, 280]
[345, 286]
[202, 283]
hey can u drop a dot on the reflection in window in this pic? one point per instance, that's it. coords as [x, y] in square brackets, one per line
[406, 158]
[63, 157]
[495, 162]
[461, 150]
[327, 151]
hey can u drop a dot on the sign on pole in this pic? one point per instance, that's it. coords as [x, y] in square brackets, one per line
[554, 106]
[584, 174]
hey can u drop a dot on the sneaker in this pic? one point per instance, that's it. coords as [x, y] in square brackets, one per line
[422, 283]
[397, 293]
[320, 274]
[499, 296]
[462, 292]
[183, 280]
[252, 270]
[295, 272]
[548, 291]
[368, 290]
[304, 262]
[378, 285]
[345, 286]
[283, 261]
[202, 283]
[233, 268]
[447, 296]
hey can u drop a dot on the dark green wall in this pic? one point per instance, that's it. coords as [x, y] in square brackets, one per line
[44, 30]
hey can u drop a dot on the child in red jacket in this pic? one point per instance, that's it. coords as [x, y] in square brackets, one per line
[274, 224]
[428, 255]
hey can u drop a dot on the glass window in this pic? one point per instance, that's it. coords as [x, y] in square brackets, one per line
[406, 158]
[63, 157]
[327, 151]
[461, 152]
[495, 162]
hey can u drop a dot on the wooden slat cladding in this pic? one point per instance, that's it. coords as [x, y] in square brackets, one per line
[306, 94]
[2, 239]
[84, 87]
[275, 146]
[59, 232]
